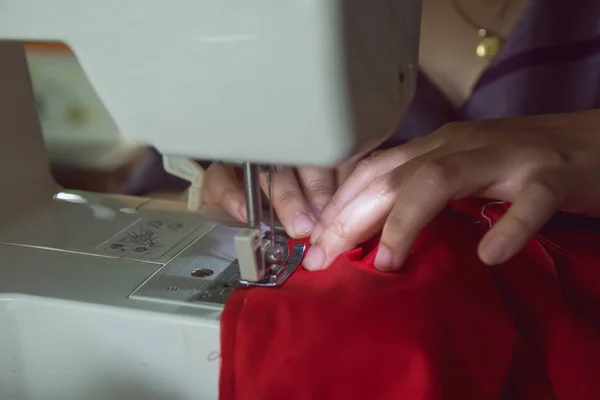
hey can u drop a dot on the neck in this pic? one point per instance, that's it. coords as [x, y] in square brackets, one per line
[497, 16]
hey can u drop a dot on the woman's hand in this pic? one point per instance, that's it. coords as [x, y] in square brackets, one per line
[539, 164]
[299, 195]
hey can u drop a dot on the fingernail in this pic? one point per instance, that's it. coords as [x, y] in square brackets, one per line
[317, 230]
[384, 260]
[302, 224]
[493, 250]
[243, 212]
[314, 260]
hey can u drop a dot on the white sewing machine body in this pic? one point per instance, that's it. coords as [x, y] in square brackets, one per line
[266, 80]
[108, 296]
[72, 327]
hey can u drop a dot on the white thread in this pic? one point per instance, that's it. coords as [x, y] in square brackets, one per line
[485, 207]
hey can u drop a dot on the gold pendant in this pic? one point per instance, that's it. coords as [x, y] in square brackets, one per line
[489, 46]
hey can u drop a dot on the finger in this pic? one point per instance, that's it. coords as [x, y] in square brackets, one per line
[222, 187]
[366, 172]
[342, 172]
[424, 189]
[318, 186]
[359, 221]
[533, 207]
[292, 208]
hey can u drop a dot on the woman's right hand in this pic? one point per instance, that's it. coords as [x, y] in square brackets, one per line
[540, 164]
[299, 194]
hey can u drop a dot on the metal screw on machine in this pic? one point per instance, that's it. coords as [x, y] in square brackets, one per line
[278, 253]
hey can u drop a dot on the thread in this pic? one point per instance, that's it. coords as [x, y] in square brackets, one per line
[484, 209]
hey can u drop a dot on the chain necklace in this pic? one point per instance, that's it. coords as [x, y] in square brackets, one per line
[490, 42]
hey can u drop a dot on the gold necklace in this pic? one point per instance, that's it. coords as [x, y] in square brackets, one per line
[491, 42]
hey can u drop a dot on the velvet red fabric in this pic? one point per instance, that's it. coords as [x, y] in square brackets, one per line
[447, 327]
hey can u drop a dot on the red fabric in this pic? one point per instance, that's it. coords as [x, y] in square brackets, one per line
[448, 327]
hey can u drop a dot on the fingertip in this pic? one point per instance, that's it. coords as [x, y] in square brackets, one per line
[314, 259]
[384, 260]
[493, 249]
[235, 210]
[388, 261]
[243, 212]
[302, 225]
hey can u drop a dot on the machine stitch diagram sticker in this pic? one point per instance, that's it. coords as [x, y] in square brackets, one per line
[148, 239]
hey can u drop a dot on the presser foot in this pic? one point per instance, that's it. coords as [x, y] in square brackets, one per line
[266, 261]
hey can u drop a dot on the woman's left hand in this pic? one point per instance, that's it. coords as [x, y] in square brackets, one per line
[539, 164]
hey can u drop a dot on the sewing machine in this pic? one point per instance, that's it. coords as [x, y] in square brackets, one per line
[110, 296]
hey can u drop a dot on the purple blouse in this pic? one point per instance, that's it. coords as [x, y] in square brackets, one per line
[549, 64]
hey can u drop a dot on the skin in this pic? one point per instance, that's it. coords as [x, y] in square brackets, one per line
[299, 195]
[447, 57]
[447, 43]
[539, 164]
[534, 163]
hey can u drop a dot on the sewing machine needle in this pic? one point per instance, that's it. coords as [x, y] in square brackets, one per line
[271, 189]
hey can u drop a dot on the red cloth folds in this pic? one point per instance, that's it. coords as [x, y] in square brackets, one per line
[447, 327]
